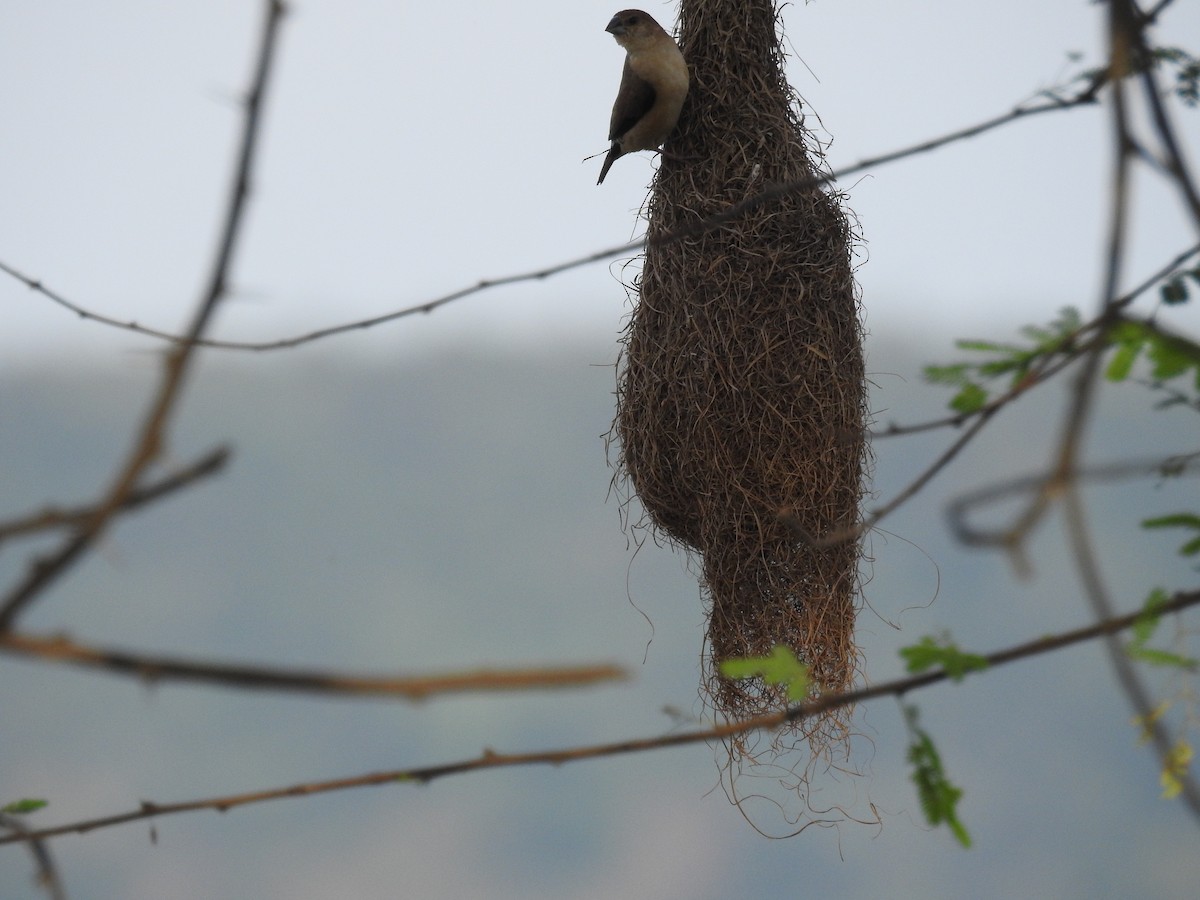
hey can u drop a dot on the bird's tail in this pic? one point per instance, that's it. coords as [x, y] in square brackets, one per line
[613, 153]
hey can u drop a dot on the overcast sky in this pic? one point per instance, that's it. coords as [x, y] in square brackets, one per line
[410, 150]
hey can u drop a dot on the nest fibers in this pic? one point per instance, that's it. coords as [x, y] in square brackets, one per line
[741, 388]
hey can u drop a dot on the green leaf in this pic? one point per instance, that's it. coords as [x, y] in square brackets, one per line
[1069, 320]
[20, 807]
[1161, 657]
[1186, 520]
[970, 399]
[987, 347]
[953, 374]
[1191, 547]
[1175, 767]
[1146, 623]
[1170, 359]
[1122, 361]
[1143, 629]
[941, 653]
[780, 667]
[938, 796]
[1187, 72]
[1018, 362]
[1014, 361]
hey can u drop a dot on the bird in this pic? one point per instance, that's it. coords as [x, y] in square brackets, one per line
[654, 84]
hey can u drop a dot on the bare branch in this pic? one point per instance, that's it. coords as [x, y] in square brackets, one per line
[51, 518]
[155, 669]
[47, 873]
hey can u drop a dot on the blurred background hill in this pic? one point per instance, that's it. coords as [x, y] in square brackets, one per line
[450, 510]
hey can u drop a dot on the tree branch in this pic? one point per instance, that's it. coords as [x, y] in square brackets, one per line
[154, 669]
[210, 464]
[490, 759]
[47, 873]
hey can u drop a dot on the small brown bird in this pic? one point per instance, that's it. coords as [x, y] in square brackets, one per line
[653, 86]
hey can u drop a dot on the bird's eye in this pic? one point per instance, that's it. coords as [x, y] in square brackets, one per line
[632, 20]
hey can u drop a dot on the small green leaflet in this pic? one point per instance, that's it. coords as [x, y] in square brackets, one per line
[1179, 520]
[1004, 359]
[970, 399]
[941, 653]
[780, 667]
[1169, 355]
[939, 798]
[1144, 628]
[19, 807]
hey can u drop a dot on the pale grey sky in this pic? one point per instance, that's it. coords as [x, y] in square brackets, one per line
[413, 149]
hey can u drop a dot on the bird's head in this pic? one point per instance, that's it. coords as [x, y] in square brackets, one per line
[632, 26]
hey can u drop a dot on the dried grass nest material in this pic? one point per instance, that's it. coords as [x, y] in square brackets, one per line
[741, 385]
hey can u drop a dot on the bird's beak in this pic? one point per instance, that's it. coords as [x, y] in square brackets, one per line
[615, 27]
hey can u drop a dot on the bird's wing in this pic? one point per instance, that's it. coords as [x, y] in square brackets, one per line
[634, 100]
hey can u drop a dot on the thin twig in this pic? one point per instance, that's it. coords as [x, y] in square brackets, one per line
[1151, 15]
[490, 759]
[1176, 163]
[47, 873]
[155, 669]
[1084, 97]
[47, 519]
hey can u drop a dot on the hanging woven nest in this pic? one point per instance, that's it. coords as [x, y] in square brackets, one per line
[741, 387]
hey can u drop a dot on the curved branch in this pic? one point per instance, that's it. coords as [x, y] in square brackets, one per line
[958, 509]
